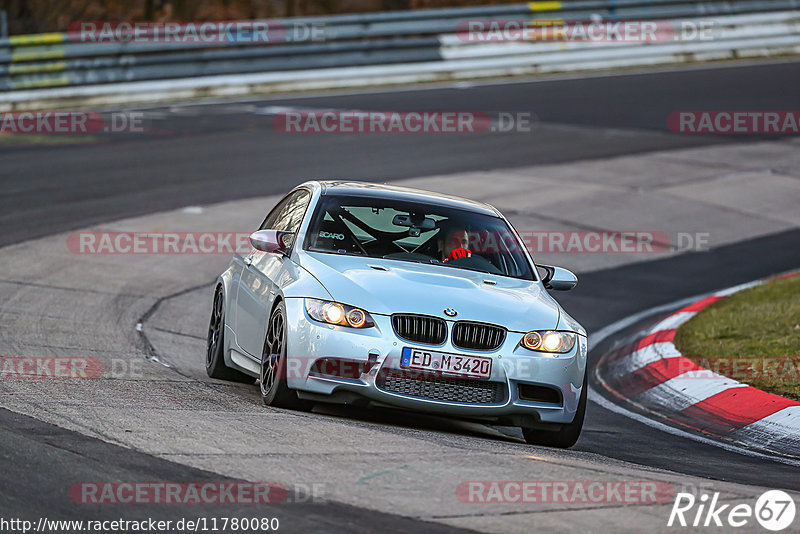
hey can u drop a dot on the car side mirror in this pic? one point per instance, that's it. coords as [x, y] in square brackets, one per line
[274, 241]
[558, 278]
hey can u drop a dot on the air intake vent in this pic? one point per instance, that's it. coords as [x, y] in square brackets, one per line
[478, 336]
[444, 389]
[530, 392]
[420, 328]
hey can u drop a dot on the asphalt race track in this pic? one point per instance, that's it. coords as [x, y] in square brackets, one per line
[192, 152]
[198, 155]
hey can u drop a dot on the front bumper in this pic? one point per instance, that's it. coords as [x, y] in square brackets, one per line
[512, 365]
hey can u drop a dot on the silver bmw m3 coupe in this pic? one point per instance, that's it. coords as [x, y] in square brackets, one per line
[387, 296]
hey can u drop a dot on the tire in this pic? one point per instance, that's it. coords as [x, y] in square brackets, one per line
[274, 389]
[215, 359]
[568, 434]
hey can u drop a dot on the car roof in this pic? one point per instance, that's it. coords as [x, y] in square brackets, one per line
[367, 189]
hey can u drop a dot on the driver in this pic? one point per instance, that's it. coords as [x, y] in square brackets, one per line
[455, 244]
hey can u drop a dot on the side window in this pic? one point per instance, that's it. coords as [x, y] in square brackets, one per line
[276, 212]
[296, 211]
[288, 214]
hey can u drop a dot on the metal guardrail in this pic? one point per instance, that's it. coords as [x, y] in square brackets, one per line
[392, 38]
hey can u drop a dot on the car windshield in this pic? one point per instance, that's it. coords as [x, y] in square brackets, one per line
[416, 232]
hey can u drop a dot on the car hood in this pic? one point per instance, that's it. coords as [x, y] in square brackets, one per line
[407, 287]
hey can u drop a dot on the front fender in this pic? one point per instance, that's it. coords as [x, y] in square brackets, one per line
[228, 280]
[269, 279]
[298, 282]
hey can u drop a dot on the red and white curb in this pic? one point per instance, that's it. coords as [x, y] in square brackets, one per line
[652, 375]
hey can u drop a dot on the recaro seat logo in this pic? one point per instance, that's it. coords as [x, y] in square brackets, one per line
[774, 510]
[338, 237]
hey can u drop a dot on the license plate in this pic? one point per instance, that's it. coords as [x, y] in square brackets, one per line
[426, 360]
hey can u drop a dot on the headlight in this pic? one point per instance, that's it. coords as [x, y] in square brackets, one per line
[549, 341]
[329, 312]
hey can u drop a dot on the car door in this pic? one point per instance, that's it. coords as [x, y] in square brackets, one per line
[246, 279]
[262, 274]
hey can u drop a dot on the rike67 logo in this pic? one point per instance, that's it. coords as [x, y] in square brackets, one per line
[774, 510]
